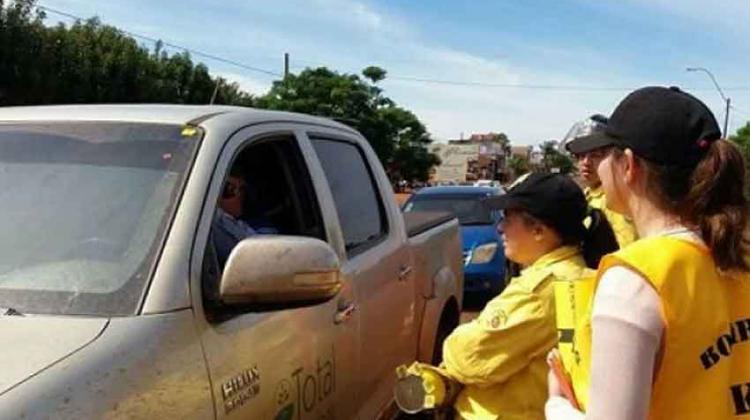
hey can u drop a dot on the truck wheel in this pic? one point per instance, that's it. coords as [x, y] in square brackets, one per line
[448, 322]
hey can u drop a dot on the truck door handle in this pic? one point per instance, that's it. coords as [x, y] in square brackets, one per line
[344, 313]
[404, 272]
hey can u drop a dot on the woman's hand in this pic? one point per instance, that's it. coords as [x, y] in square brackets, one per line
[553, 383]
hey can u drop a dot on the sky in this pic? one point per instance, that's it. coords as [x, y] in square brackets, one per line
[528, 68]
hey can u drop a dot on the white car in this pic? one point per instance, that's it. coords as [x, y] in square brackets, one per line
[487, 183]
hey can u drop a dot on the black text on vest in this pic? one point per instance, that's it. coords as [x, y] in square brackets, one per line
[739, 331]
[566, 335]
[741, 398]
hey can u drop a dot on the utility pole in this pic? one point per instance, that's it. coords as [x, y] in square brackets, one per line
[286, 65]
[721, 92]
[216, 90]
[726, 119]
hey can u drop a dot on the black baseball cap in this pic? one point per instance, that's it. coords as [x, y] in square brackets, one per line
[663, 125]
[552, 198]
[587, 135]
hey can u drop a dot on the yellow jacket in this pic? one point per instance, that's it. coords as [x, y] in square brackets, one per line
[500, 356]
[623, 228]
[704, 368]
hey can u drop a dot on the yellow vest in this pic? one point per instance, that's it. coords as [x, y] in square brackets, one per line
[622, 227]
[573, 300]
[704, 370]
[500, 356]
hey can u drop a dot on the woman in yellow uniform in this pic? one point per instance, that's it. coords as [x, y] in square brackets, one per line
[499, 358]
[582, 142]
[670, 324]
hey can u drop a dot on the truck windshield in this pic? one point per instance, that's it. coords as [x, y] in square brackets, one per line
[468, 208]
[84, 211]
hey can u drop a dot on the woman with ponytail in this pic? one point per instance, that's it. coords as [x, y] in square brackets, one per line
[669, 329]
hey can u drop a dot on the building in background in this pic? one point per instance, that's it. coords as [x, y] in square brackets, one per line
[455, 161]
[537, 158]
[522, 152]
[481, 156]
[491, 157]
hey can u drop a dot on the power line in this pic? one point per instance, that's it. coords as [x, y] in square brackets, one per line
[171, 45]
[509, 85]
[415, 79]
[543, 87]
[740, 111]
[514, 85]
[532, 86]
[520, 85]
[493, 85]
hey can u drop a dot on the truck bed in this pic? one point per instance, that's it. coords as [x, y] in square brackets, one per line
[417, 222]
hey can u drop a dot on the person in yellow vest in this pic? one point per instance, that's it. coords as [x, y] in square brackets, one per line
[499, 358]
[584, 142]
[669, 329]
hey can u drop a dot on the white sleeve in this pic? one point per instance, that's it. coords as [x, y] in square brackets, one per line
[627, 329]
[558, 408]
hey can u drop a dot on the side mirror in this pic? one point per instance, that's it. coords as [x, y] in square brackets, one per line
[280, 270]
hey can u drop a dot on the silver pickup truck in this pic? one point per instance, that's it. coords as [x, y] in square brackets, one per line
[115, 300]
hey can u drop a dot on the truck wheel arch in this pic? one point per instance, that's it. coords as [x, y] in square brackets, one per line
[441, 314]
[449, 320]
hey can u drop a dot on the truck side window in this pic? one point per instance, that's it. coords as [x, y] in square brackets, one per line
[276, 197]
[360, 210]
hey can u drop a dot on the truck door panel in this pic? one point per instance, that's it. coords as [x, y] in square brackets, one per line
[285, 362]
[377, 264]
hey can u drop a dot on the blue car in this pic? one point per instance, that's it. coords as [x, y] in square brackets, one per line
[484, 255]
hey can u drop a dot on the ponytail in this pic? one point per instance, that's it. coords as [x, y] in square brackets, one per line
[599, 239]
[710, 197]
[716, 204]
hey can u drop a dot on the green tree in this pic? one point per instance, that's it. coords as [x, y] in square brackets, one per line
[88, 62]
[500, 139]
[742, 139]
[91, 62]
[398, 137]
[518, 165]
[21, 40]
[555, 161]
[375, 74]
[504, 142]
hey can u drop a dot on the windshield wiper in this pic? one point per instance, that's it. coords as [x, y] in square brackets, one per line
[10, 312]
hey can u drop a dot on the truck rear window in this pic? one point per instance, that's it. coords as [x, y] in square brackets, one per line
[468, 208]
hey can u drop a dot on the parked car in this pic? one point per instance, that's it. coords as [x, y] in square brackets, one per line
[488, 183]
[483, 251]
[115, 304]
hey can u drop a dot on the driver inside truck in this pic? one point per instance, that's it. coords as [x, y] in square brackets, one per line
[230, 223]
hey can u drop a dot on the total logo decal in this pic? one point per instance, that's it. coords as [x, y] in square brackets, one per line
[305, 390]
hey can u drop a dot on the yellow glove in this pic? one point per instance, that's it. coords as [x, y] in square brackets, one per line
[424, 387]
